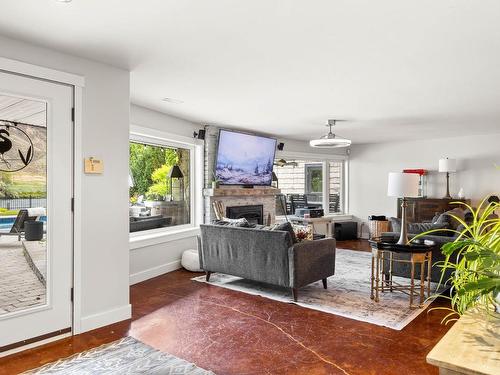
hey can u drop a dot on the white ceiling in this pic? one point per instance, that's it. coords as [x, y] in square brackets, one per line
[396, 68]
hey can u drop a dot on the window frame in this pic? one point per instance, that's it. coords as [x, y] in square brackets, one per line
[159, 138]
[324, 160]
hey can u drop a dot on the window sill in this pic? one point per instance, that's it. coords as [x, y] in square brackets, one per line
[140, 240]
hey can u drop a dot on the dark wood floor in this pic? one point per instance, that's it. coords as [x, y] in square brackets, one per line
[234, 333]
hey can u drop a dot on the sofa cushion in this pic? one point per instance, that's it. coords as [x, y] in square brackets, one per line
[286, 227]
[448, 217]
[395, 224]
[417, 228]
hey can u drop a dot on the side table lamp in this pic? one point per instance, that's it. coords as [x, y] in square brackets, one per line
[447, 165]
[403, 185]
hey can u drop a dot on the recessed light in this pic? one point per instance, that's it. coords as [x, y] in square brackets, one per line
[172, 100]
[64, 1]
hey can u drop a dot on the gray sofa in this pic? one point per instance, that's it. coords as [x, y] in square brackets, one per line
[267, 256]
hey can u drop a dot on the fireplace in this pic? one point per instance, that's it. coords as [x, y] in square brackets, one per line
[254, 213]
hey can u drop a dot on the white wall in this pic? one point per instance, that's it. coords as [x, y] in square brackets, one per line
[152, 258]
[370, 164]
[149, 118]
[105, 261]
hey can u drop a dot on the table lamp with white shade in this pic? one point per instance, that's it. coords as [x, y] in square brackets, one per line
[447, 165]
[403, 185]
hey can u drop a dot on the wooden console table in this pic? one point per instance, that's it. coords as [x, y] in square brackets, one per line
[471, 346]
[424, 209]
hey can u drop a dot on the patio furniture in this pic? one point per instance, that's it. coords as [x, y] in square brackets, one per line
[334, 203]
[17, 228]
[297, 201]
[33, 230]
[149, 222]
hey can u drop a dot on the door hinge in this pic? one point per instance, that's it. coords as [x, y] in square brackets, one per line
[73, 114]
[71, 294]
[72, 204]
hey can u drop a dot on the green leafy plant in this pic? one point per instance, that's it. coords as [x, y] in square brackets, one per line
[474, 258]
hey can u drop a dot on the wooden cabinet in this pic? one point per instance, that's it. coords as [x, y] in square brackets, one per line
[423, 209]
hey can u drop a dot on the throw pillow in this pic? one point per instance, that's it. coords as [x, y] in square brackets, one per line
[303, 232]
[458, 212]
[395, 224]
[286, 227]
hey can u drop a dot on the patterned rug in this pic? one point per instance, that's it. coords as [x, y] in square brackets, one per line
[348, 293]
[125, 356]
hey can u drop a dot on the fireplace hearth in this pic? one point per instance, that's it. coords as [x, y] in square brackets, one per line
[253, 213]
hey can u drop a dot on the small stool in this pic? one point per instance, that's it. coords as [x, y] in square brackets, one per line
[33, 230]
[190, 260]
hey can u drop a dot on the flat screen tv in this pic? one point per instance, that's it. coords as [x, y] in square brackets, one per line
[244, 159]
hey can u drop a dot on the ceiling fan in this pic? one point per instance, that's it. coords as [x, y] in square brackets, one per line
[283, 163]
[330, 140]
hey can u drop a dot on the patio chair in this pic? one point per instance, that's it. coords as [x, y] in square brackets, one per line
[334, 202]
[18, 226]
[298, 201]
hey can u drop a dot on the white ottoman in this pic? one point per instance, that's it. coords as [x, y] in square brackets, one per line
[191, 261]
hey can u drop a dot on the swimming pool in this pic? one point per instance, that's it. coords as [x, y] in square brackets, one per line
[6, 222]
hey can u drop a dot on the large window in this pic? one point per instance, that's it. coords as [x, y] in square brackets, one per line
[159, 186]
[312, 183]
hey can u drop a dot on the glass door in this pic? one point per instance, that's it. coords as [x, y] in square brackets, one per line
[35, 210]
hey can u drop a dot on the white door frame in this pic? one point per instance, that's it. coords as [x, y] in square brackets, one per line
[78, 83]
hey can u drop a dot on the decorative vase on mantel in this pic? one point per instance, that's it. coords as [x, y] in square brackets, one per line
[461, 193]
[215, 185]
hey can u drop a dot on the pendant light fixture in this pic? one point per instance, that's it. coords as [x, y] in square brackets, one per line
[330, 140]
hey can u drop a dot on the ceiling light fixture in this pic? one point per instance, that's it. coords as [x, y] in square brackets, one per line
[172, 100]
[330, 140]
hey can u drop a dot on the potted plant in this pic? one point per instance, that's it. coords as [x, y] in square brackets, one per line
[215, 181]
[474, 258]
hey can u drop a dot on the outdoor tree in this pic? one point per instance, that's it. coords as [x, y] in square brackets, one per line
[146, 162]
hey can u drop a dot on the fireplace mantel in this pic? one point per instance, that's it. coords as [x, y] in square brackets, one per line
[241, 192]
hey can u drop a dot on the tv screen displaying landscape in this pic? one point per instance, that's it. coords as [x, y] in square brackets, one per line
[244, 159]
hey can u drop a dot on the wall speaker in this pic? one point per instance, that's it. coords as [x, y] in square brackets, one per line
[281, 146]
[200, 134]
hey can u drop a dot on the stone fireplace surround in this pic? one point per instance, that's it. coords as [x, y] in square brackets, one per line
[233, 195]
[237, 196]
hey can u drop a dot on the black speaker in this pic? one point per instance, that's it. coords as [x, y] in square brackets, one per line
[200, 134]
[281, 146]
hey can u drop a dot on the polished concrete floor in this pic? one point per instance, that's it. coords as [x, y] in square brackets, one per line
[233, 333]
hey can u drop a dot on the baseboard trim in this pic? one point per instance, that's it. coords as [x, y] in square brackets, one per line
[154, 271]
[105, 318]
[35, 344]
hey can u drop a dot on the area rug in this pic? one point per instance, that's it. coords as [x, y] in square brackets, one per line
[348, 293]
[125, 356]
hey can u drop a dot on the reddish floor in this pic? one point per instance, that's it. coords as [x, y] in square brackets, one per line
[234, 333]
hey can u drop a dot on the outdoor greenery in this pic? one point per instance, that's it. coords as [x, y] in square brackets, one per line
[474, 258]
[149, 166]
[6, 212]
[15, 186]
